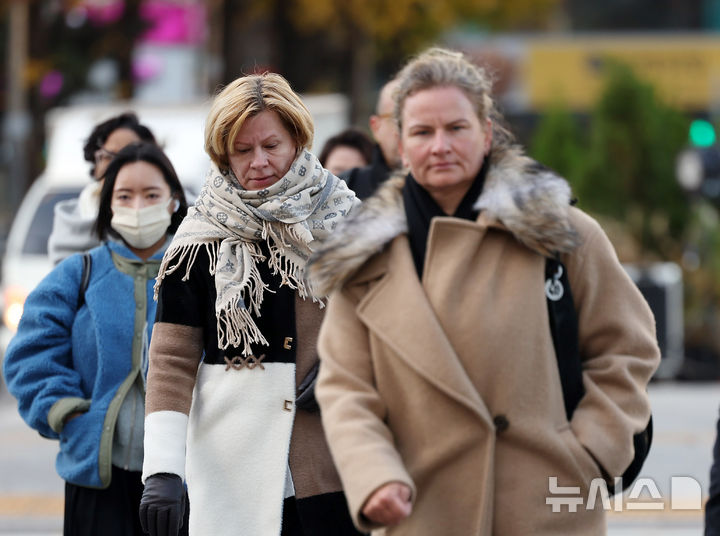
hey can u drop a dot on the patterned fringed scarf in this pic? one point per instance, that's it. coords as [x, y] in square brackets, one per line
[291, 215]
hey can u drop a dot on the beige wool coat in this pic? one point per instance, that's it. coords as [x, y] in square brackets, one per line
[450, 384]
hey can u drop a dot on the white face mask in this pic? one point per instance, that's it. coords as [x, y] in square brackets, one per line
[143, 227]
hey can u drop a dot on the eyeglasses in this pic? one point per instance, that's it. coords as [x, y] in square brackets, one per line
[103, 154]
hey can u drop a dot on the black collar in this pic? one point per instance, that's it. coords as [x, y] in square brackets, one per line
[421, 208]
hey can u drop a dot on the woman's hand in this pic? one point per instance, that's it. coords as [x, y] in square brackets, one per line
[389, 504]
[162, 505]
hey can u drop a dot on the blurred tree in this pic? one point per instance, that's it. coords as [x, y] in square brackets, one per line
[701, 260]
[623, 172]
[341, 43]
[349, 46]
[625, 168]
[630, 166]
[558, 141]
[377, 30]
[68, 39]
[4, 54]
[416, 21]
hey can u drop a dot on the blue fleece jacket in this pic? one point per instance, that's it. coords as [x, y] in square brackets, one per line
[64, 359]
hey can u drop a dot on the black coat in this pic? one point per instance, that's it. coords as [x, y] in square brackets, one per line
[192, 303]
[712, 508]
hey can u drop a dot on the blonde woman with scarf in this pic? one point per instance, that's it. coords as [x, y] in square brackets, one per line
[233, 347]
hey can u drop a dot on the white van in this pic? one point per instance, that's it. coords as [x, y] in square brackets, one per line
[179, 129]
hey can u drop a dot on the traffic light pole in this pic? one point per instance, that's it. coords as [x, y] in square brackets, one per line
[698, 171]
[17, 124]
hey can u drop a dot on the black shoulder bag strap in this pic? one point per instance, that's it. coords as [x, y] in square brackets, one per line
[564, 331]
[85, 279]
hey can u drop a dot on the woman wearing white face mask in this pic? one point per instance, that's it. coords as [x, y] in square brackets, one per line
[79, 360]
[139, 199]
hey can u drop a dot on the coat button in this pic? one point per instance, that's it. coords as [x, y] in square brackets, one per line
[501, 423]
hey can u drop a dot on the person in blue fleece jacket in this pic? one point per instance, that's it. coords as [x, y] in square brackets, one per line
[78, 362]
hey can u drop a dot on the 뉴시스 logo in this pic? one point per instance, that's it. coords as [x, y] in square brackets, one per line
[685, 494]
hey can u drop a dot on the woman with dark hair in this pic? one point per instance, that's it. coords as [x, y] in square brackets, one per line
[78, 362]
[348, 149]
[106, 139]
[74, 218]
[116, 198]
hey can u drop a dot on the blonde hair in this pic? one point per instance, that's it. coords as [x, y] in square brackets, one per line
[246, 97]
[440, 67]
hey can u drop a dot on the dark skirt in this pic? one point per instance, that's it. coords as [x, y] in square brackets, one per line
[319, 515]
[113, 511]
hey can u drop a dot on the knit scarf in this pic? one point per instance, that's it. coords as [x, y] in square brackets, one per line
[291, 216]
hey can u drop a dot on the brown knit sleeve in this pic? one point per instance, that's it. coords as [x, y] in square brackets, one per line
[175, 353]
[308, 317]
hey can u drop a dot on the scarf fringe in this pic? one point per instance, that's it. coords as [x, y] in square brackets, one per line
[180, 254]
[287, 269]
[290, 271]
[236, 327]
[253, 287]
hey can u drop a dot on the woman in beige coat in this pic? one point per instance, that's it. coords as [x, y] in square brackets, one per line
[439, 385]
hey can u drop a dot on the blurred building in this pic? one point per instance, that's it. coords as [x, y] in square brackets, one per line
[168, 60]
[673, 44]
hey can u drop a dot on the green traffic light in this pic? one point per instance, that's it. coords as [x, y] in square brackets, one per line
[702, 133]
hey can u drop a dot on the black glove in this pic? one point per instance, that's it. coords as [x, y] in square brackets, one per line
[162, 505]
[305, 399]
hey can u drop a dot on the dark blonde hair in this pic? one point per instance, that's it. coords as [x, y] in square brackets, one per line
[440, 67]
[246, 97]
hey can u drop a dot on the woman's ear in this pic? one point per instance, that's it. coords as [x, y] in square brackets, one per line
[401, 153]
[488, 136]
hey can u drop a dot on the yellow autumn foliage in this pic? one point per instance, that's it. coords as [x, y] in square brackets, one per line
[382, 20]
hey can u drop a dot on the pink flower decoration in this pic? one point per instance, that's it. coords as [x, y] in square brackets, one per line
[173, 23]
[51, 84]
[102, 12]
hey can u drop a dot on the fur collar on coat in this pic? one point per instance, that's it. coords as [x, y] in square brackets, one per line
[520, 195]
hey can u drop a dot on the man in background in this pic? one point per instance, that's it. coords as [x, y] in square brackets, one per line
[386, 157]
